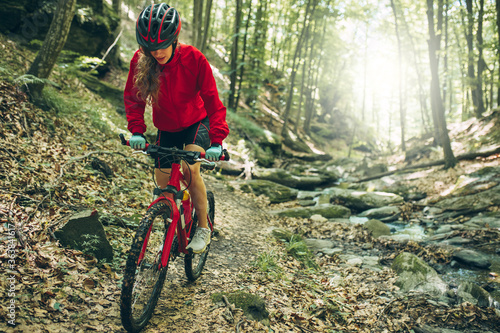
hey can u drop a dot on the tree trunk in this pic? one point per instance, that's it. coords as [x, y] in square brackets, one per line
[402, 113]
[197, 22]
[497, 5]
[424, 112]
[234, 57]
[206, 28]
[437, 102]
[470, 47]
[298, 47]
[480, 62]
[243, 56]
[117, 4]
[54, 42]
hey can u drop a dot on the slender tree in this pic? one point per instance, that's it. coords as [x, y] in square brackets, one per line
[437, 102]
[480, 62]
[402, 112]
[206, 28]
[54, 42]
[497, 7]
[308, 14]
[234, 57]
[243, 55]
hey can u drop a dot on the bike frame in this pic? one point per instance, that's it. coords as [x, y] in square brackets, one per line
[181, 211]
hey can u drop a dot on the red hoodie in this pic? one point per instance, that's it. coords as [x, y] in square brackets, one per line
[188, 93]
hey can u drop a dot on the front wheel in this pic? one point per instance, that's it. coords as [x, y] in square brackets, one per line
[143, 279]
[194, 263]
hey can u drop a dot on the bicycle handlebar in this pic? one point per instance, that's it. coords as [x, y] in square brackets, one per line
[189, 156]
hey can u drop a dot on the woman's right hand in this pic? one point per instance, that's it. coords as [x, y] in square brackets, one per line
[137, 141]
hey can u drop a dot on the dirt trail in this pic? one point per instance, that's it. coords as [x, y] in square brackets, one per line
[187, 307]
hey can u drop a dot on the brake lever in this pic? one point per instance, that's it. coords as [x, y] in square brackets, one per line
[139, 152]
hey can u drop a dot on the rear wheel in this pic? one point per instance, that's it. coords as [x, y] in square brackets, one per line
[143, 281]
[194, 263]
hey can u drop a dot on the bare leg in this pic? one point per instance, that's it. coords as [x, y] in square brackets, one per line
[197, 188]
[162, 177]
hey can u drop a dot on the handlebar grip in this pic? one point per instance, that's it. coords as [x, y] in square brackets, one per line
[124, 141]
[223, 157]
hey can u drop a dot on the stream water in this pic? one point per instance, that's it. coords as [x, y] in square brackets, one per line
[454, 276]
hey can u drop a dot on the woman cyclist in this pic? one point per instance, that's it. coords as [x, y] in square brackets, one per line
[177, 81]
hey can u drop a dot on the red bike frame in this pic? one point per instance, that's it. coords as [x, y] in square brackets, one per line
[185, 218]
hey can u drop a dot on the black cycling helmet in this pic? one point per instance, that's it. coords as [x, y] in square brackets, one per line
[158, 26]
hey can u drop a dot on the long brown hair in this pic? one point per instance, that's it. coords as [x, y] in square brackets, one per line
[147, 75]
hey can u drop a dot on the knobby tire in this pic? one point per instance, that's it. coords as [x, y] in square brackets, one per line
[142, 284]
[194, 263]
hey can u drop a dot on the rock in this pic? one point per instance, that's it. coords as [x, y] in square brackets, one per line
[318, 244]
[415, 274]
[331, 252]
[307, 195]
[382, 212]
[275, 192]
[377, 228]
[327, 211]
[486, 221]
[84, 232]
[361, 200]
[307, 203]
[472, 258]
[473, 202]
[432, 211]
[91, 32]
[471, 292]
[298, 181]
[457, 241]
[318, 218]
[252, 305]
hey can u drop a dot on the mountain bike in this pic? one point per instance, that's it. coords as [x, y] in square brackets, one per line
[162, 236]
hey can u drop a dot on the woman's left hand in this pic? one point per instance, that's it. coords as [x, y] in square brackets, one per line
[213, 153]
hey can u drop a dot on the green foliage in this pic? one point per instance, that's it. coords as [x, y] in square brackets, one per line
[266, 262]
[90, 245]
[297, 248]
[31, 79]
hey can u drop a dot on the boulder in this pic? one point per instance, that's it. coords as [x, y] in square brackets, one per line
[92, 29]
[472, 203]
[486, 221]
[472, 258]
[415, 274]
[298, 181]
[472, 293]
[83, 231]
[275, 192]
[386, 212]
[318, 244]
[327, 211]
[377, 228]
[361, 200]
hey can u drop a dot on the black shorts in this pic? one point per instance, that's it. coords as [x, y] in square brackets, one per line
[196, 134]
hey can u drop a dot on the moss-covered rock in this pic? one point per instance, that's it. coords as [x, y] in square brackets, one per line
[92, 30]
[252, 305]
[377, 228]
[415, 274]
[328, 211]
[275, 192]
